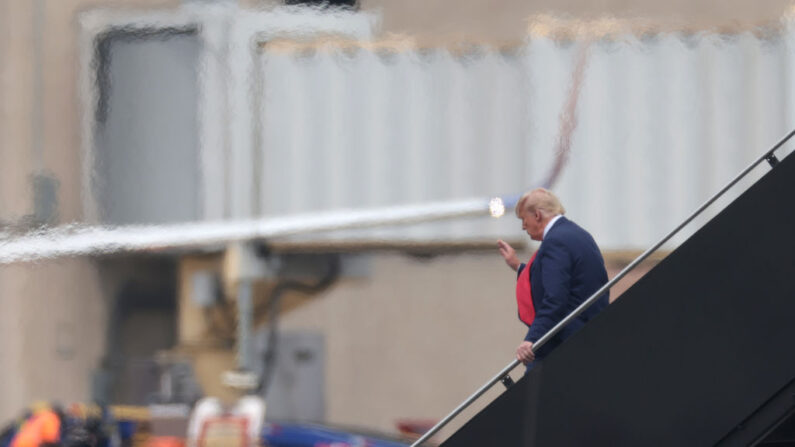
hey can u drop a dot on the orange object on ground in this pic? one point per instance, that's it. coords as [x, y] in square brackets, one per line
[44, 427]
[165, 441]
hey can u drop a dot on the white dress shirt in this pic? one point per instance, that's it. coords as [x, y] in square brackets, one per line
[549, 225]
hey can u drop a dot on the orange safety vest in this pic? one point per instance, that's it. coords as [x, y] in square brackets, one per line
[43, 427]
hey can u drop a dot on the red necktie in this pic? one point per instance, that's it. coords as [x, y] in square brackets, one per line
[524, 295]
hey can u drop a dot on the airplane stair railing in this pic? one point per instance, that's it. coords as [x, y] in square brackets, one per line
[652, 369]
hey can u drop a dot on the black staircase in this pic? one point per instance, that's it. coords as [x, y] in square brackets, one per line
[698, 352]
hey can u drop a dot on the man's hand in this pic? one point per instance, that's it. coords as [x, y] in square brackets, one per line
[524, 353]
[509, 254]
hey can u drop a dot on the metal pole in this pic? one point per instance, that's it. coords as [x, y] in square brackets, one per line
[587, 303]
[245, 317]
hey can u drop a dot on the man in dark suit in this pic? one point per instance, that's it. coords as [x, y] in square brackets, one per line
[565, 271]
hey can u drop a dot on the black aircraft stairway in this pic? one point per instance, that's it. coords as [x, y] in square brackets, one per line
[699, 352]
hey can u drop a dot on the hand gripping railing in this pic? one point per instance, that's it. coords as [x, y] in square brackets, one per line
[768, 156]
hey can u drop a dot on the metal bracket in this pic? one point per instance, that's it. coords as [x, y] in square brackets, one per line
[507, 381]
[772, 160]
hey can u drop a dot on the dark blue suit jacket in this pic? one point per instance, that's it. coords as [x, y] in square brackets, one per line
[567, 270]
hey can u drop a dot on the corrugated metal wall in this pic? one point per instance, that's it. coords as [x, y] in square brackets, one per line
[362, 128]
[663, 122]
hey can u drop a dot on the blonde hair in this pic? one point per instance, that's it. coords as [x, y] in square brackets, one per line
[540, 199]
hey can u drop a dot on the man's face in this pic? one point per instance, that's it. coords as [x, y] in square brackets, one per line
[531, 223]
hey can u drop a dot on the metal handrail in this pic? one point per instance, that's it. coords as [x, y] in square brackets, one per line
[769, 156]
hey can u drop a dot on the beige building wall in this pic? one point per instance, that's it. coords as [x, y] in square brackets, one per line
[506, 21]
[16, 73]
[415, 339]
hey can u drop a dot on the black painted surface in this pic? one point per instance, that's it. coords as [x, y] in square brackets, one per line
[768, 424]
[784, 434]
[697, 345]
